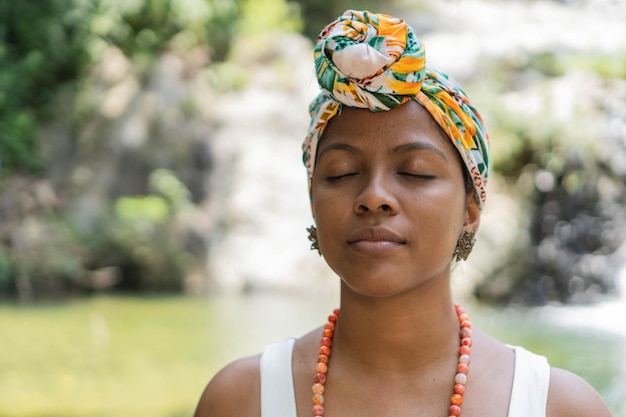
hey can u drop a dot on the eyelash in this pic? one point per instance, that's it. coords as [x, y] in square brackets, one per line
[406, 174]
[339, 177]
[418, 176]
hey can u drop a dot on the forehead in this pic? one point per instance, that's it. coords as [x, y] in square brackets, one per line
[406, 123]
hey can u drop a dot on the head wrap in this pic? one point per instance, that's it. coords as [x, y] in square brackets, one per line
[375, 61]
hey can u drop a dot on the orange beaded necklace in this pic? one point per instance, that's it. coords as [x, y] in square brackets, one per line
[456, 399]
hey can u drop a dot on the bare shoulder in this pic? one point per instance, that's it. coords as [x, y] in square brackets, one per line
[234, 391]
[570, 395]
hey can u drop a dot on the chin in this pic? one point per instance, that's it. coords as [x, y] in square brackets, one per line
[377, 286]
[390, 280]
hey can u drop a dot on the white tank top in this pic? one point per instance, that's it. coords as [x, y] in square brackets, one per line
[528, 397]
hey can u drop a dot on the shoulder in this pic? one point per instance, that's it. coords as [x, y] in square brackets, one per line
[571, 396]
[234, 391]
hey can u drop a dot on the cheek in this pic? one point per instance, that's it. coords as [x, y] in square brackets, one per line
[330, 212]
[439, 211]
[326, 209]
[324, 199]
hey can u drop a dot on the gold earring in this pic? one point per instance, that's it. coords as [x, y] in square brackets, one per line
[313, 238]
[464, 245]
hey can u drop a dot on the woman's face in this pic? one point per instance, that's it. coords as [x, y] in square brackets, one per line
[389, 200]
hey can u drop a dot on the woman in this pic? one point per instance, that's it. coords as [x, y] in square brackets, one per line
[397, 162]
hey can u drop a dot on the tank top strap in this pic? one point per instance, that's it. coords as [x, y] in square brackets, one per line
[278, 397]
[531, 380]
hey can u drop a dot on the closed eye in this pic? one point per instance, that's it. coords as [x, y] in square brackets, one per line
[335, 178]
[418, 176]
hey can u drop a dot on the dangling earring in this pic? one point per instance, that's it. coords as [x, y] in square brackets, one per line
[464, 246]
[313, 238]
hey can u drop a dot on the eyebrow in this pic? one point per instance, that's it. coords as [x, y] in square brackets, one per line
[337, 146]
[419, 146]
[405, 148]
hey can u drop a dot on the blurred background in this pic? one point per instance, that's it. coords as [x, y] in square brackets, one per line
[153, 204]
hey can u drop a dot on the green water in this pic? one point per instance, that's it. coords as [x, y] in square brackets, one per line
[120, 356]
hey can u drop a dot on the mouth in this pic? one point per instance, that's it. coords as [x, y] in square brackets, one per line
[375, 239]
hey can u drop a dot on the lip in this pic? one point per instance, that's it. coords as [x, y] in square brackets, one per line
[375, 239]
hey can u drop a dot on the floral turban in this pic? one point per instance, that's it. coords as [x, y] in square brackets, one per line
[375, 61]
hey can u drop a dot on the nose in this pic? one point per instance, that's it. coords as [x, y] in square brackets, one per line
[376, 197]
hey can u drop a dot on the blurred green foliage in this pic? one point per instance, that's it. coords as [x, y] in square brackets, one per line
[42, 46]
[47, 51]
[5, 270]
[45, 258]
[47, 46]
[150, 209]
[137, 244]
[142, 238]
[149, 26]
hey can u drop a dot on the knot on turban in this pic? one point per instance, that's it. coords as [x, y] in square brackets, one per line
[375, 61]
[369, 60]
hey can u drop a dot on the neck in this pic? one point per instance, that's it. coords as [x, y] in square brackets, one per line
[400, 333]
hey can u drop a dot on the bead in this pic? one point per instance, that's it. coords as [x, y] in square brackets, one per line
[456, 399]
[320, 378]
[466, 341]
[464, 350]
[336, 312]
[326, 341]
[462, 368]
[318, 388]
[327, 333]
[455, 410]
[460, 378]
[466, 324]
[323, 359]
[464, 359]
[321, 368]
[459, 389]
[324, 350]
[319, 399]
[466, 332]
[332, 318]
[329, 326]
[318, 410]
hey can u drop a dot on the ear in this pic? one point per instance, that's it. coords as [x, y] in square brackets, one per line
[472, 213]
